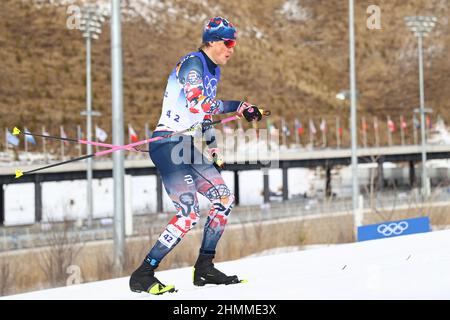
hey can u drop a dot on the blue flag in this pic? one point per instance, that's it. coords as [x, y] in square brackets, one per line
[28, 137]
[149, 133]
[416, 122]
[12, 139]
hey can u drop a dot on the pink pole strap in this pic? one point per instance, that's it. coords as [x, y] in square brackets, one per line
[229, 119]
[141, 142]
[128, 146]
[100, 144]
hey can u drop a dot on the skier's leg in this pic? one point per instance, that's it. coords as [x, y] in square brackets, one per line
[180, 187]
[210, 183]
[179, 184]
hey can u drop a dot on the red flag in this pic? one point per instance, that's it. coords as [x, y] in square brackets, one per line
[391, 125]
[63, 135]
[363, 124]
[299, 127]
[323, 126]
[132, 134]
[403, 123]
[428, 124]
[45, 133]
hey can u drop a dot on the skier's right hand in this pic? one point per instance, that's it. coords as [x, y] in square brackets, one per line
[249, 111]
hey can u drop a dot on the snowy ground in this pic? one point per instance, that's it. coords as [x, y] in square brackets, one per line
[406, 267]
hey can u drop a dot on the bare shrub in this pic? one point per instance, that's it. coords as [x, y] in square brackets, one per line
[105, 264]
[258, 231]
[6, 277]
[64, 247]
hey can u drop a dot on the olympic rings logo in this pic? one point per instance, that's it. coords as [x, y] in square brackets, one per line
[392, 228]
[210, 87]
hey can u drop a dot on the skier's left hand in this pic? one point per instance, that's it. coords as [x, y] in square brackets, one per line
[217, 158]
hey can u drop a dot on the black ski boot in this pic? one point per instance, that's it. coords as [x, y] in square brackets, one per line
[143, 279]
[205, 273]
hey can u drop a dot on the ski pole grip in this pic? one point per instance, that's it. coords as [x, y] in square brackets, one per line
[265, 112]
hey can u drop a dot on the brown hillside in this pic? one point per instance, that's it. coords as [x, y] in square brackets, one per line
[295, 69]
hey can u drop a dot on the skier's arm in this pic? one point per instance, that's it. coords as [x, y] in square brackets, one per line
[231, 105]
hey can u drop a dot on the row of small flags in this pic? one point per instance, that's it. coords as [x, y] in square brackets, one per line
[99, 134]
[299, 130]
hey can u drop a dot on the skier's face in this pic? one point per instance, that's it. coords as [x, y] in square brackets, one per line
[221, 51]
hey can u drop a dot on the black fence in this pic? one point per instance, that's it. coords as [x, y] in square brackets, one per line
[326, 159]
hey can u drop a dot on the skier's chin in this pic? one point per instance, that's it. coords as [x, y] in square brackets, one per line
[225, 60]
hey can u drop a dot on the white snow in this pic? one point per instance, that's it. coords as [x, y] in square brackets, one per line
[293, 11]
[405, 267]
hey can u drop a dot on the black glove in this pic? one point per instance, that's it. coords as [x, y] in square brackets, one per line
[250, 112]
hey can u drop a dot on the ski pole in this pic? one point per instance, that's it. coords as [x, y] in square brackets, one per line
[225, 120]
[203, 125]
[17, 131]
[19, 173]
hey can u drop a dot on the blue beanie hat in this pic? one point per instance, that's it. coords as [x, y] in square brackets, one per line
[219, 29]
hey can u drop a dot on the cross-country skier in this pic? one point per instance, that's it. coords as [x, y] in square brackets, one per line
[190, 99]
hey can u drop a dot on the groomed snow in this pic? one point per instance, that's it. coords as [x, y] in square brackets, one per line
[405, 267]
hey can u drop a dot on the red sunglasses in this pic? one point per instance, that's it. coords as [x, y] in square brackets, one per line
[229, 43]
